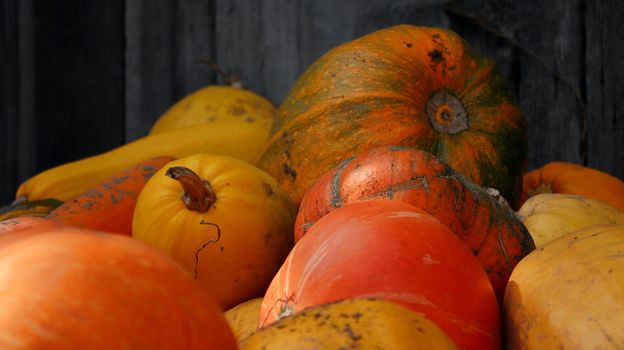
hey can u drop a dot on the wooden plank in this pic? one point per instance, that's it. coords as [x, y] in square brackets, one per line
[79, 79]
[605, 85]
[8, 99]
[544, 47]
[165, 41]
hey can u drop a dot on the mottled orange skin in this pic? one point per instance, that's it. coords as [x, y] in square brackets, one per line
[373, 91]
[569, 178]
[109, 206]
[492, 231]
[87, 290]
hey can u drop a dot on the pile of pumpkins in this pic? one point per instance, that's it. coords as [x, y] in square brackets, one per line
[384, 205]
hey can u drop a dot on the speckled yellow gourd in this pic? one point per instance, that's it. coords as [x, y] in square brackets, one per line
[217, 104]
[351, 324]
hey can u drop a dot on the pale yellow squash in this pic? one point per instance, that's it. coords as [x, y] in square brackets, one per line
[351, 324]
[549, 216]
[243, 318]
[568, 294]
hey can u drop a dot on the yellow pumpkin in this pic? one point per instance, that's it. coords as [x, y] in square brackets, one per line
[243, 318]
[551, 215]
[568, 294]
[226, 221]
[216, 104]
[351, 324]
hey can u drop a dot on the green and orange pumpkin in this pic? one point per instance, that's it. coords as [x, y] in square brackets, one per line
[412, 86]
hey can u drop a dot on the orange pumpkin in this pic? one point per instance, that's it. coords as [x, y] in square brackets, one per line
[109, 206]
[227, 222]
[395, 251]
[569, 178]
[413, 86]
[86, 290]
[492, 231]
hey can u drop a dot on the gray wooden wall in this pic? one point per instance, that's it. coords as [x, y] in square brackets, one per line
[81, 77]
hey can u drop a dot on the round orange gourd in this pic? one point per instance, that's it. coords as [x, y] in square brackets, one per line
[390, 250]
[88, 290]
[569, 178]
[227, 222]
[412, 86]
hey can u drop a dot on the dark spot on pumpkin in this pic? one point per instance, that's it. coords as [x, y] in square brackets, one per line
[610, 271]
[357, 315]
[408, 45]
[267, 238]
[268, 189]
[250, 120]
[420, 330]
[211, 118]
[221, 248]
[436, 35]
[280, 326]
[188, 106]
[317, 315]
[290, 171]
[354, 336]
[436, 55]
[237, 110]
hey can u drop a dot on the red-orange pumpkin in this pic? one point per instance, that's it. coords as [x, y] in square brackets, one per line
[87, 290]
[404, 85]
[391, 250]
[493, 232]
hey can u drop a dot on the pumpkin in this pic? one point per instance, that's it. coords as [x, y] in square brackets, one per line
[85, 290]
[216, 104]
[568, 294]
[109, 206]
[412, 86]
[352, 324]
[227, 222]
[27, 223]
[243, 318]
[395, 251]
[491, 230]
[569, 178]
[67, 181]
[549, 216]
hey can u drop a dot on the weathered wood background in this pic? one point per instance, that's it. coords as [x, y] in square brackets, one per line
[81, 77]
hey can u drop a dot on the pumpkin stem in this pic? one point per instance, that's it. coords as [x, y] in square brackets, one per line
[198, 194]
[542, 188]
[446, 113]
[229, 78]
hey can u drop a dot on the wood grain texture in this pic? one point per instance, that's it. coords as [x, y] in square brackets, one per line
[9, 96]
[77, 78]
[604, 85]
